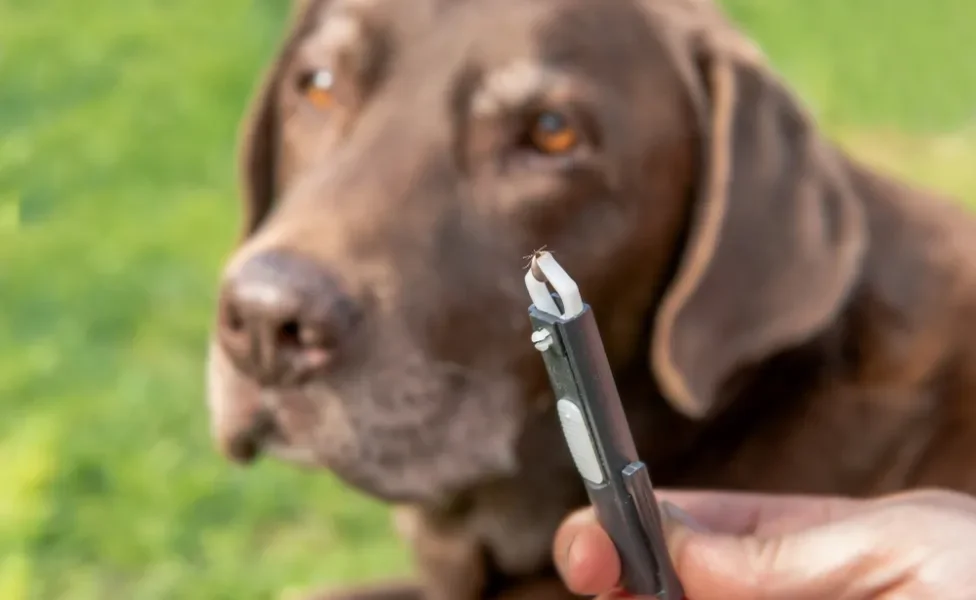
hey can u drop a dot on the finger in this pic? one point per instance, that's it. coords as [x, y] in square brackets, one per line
[930, 497]
[585, 556]
[739, 513]
[588, 562]
[838, 559]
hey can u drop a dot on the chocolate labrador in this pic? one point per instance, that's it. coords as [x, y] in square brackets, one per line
[778, 316]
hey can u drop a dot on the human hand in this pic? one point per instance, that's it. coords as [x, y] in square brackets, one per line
[732, 546]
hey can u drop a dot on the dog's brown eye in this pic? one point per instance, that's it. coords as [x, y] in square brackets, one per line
[318, 88]
[552, 133]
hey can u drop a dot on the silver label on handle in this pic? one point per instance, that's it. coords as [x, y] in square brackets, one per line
[580, 441]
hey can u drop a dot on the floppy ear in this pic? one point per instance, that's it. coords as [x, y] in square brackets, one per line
[775, 242]
[259, 143]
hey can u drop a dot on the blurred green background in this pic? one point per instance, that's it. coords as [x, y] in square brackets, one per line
[117, 204]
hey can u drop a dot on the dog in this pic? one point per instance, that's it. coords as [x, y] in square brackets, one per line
[779, 317]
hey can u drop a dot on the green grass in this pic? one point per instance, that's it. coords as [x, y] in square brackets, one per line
[117, 204]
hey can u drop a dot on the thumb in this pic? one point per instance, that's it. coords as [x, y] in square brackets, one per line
[827, 561]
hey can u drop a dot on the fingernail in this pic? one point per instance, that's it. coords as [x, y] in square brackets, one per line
[573, 555]
[620, 594]
[672, 514]
[570, 533]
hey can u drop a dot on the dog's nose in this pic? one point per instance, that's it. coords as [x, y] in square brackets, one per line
[283, 317]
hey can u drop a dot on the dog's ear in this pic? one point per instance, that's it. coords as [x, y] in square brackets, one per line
[259, 143]
[776, 236]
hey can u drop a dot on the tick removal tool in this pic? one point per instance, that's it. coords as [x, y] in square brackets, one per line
[596, 430]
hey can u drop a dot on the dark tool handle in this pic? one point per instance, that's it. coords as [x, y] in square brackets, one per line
[598, 435]
[619, 516]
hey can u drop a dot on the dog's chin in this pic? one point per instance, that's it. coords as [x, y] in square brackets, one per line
[399, 435]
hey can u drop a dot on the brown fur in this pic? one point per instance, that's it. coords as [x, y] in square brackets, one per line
[778, 316]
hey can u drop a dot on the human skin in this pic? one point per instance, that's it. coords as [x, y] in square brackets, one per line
[736, 546]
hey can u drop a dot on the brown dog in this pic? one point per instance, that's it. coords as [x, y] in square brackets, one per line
[778, 317]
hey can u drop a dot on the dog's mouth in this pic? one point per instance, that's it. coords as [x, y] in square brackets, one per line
[265, 437]
[247, 445]
[403, 432]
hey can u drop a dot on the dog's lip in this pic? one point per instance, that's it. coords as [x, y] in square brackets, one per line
[247, 445]
[243, 451]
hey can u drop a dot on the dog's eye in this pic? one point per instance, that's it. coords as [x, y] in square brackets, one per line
[553, 133]
[318, 88]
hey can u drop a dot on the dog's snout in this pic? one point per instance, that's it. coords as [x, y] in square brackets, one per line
[283, 317]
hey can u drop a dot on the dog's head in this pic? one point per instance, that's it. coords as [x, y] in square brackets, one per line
[403, 158]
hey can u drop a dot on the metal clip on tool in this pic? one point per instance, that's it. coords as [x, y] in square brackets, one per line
[596, 429]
